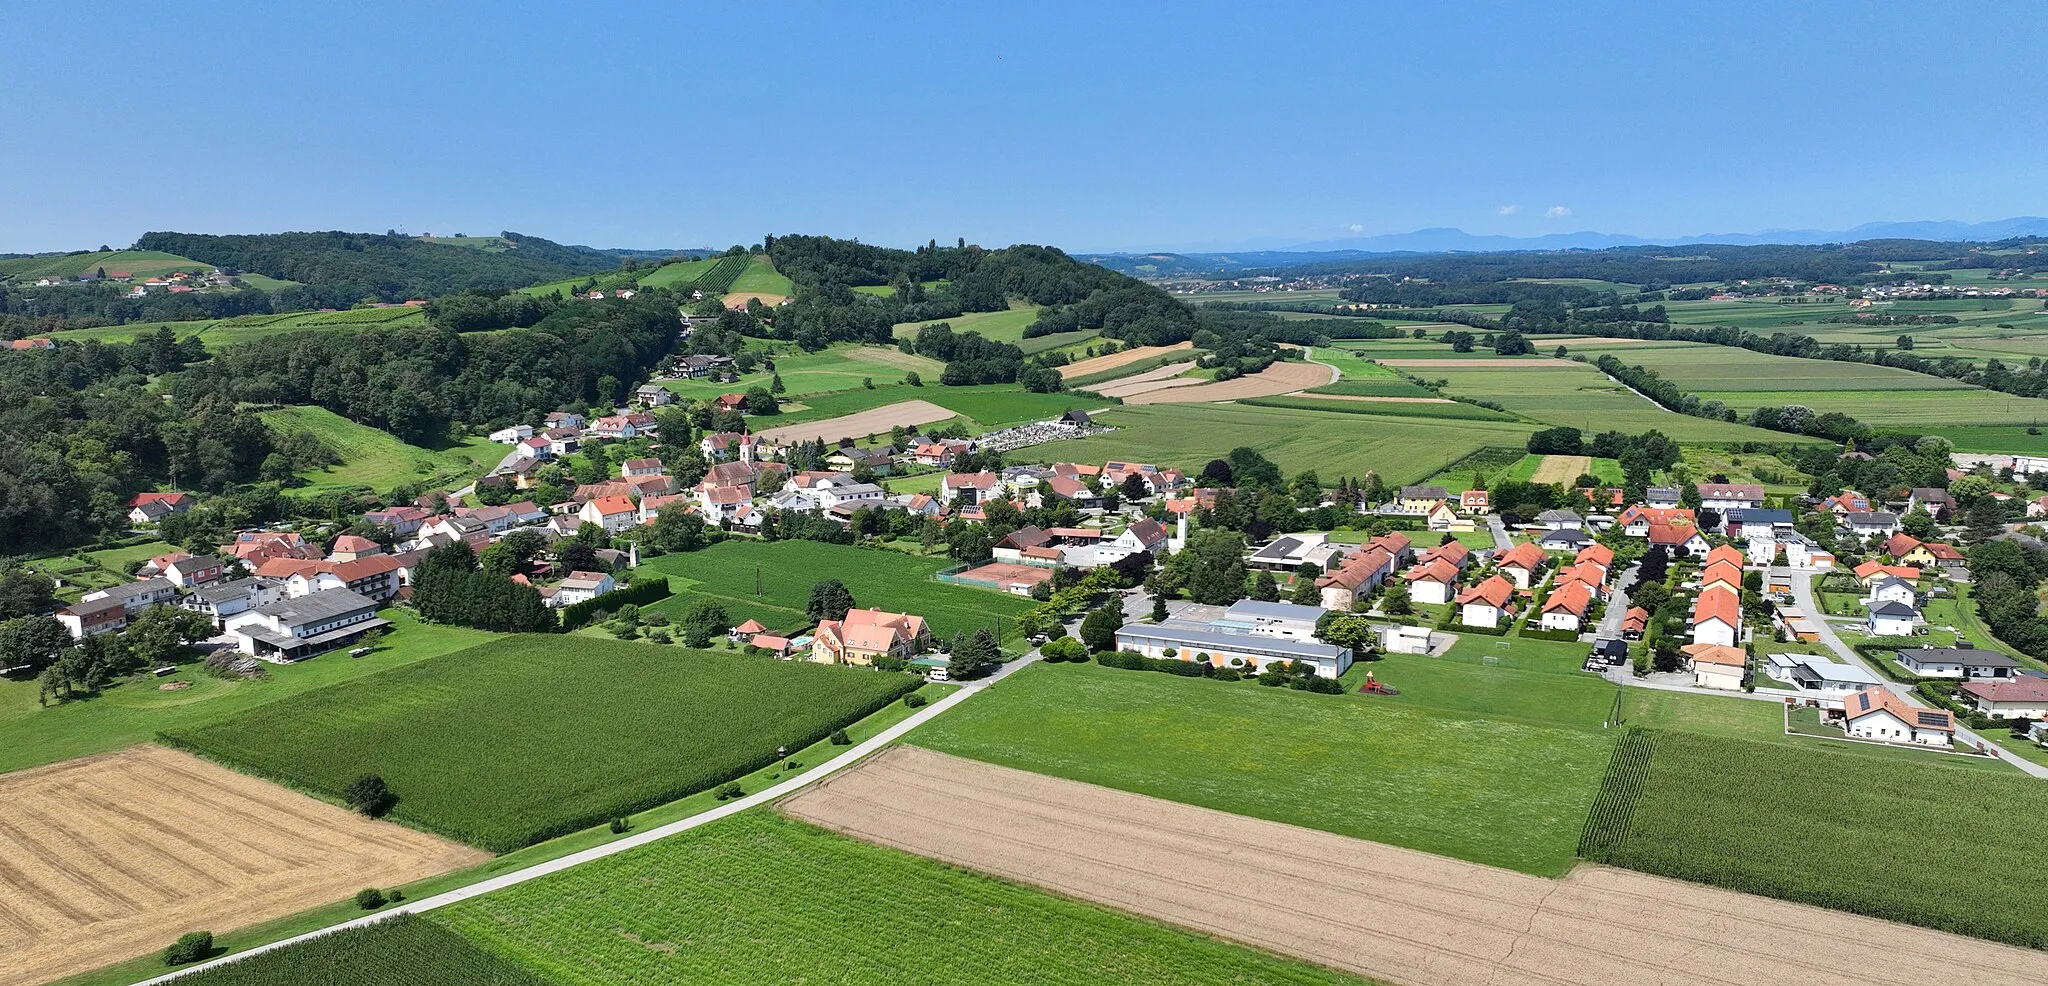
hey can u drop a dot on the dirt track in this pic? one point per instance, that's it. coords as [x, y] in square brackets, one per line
[106, 858]
[1097, 364]
[1280, 378]
[1481, 362]
[738, 302]
[1391, 914]
[877, 421]
[1362, 398]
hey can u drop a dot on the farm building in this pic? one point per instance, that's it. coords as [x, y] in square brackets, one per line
[1248, 635]
[294, 628]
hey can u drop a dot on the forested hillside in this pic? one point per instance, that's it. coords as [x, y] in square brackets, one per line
[340, 269]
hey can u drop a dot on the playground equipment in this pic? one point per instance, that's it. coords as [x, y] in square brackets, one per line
[1373, 686]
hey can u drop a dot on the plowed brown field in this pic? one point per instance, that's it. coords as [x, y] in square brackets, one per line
[1390, 914]
[878, 421]
[109, 857]
[1097, 364]
[1280, 378]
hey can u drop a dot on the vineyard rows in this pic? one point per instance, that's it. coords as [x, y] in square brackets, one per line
[718, 280]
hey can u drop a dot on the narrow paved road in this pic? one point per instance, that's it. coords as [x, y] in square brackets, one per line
[1501, 540]
[1617, 604]
[828, 768]
[1803, 594]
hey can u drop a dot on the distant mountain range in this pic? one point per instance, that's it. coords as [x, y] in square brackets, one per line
[1449, 240]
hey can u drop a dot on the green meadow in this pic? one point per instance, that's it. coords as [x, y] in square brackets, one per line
[377, 459]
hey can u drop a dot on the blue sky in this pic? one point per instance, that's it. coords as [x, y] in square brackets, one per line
[1091, 126]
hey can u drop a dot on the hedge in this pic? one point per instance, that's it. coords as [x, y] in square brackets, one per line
[1549, 634]
[641, 591]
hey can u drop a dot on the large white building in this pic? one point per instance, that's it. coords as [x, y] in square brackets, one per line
[293, 628]
[1247, 636]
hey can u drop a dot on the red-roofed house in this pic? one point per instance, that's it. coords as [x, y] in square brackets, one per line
[1487, 604]
[148, 508]
[1566, 606]
[1717, 618]
[1521, 564]
[867, 634]
[613, 513]
[1433, 581]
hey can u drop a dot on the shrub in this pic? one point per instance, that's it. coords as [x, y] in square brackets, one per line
[1227, 674]
[914, 701]
[839, 738]
[659, 636]
[619, 826]
[190, 947]
[729, 791]
[369, 795]
[370, 898]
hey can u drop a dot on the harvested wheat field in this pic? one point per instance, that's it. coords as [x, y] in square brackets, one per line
[1536, 363]
[1561, 468]
[738, 300]
[109, 857]
[877, 421]
[1361, 398]
[1389, 914]
[1097, 364]
[1154, 379]
[1280, 378]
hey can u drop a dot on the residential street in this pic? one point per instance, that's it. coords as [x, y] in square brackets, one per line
[1617, 604]
[1501, 540]
[1803, 594]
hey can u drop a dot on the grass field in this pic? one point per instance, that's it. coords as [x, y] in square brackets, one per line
[399, 951]
[1873, 394]
[141, 263]
[1484, 787]
[377, 459]
[1401, 450]
[760, 277]
[1004, 326]
[890, 580]
[1361, 377]
[243, 328]
[986, 406]
[1764, 722]
[1451, 410]
[670, 275]
[1838, 831]
[1526, 471]
[506, 744]
[126, 714]
[758, 897]
[1580, 396]
[839, 367]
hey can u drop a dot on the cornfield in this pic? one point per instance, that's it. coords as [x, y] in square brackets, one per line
[1945, 847]
[760, 898]
[530, 737]
[401, 951]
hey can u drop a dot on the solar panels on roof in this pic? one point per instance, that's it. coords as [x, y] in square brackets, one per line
[1938, 720]
[1863, 701]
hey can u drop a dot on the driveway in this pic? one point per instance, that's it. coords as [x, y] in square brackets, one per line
[1501, 540]
[1803, 594]
[1617, 604]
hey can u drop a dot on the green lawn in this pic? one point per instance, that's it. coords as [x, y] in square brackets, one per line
[1923, 843]
[1504, 791]
[670, 275]
[1442, 410]
[761, 277]
[1361, 377]
[144, 264]
[1004, 326]
[890, 580]
[377, 459]
[1579, 395]
[1536, 692]
[760, 898]
[1764, 722]
[530, 737]
[1401, 450]
[134, 712]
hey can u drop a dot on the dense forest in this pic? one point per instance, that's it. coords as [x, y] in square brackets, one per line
[341, 269]
[418, 382]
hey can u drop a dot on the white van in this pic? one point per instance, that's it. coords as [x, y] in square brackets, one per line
[937, 674]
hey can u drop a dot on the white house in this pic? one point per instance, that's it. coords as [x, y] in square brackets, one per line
[136, 596]
[1566, 607]
[581, 587]
[1892, 589]
[1801, 552]
[1434, 581]
[1486, 604]
[613, 513]
[1888, 619]
[512, 435]
[233, 597]
[1871, 523]
[1717, 618]
[2019, 697]
[92, 617]
[1830, 682]
[1957, 662]
[1877, 714]
[1731, 496]
[1716, 666]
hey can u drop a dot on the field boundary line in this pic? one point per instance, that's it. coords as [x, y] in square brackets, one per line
[853, 755]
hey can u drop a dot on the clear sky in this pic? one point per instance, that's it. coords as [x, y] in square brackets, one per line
[1090, 125]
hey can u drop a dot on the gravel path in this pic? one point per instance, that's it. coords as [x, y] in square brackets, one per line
[1391, 914]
